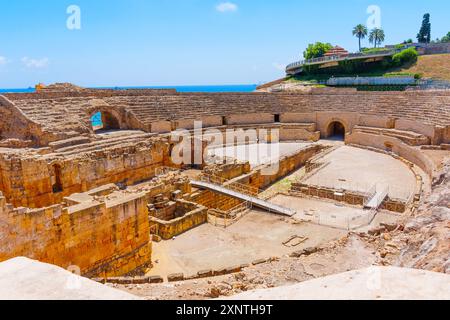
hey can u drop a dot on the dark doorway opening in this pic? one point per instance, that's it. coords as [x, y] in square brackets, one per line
[277, 118]
[336, 130]
[57, 183]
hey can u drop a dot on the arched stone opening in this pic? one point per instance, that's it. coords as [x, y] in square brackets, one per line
[104, 121]
[336, 130]
[389, 146]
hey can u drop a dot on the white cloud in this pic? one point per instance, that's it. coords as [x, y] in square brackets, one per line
[227, 7]
[279, 66]
[35, 63]
[3, 61]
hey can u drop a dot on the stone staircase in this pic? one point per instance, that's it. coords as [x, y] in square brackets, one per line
[56, 115]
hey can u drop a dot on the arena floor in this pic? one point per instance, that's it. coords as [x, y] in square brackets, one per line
[359, 170]
[257, 235]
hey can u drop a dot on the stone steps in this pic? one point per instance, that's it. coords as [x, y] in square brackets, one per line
[102, 144]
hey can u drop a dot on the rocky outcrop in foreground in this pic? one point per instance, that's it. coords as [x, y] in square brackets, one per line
[427, 236]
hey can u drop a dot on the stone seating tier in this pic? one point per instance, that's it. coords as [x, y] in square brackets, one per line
[409, 137]
[72, 113]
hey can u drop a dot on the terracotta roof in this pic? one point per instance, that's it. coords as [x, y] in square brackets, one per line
[337, 51]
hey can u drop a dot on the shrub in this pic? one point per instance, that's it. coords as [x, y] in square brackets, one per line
[406, 56]
[316, 50]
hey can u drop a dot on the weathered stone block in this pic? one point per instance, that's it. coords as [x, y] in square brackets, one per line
[175, 277]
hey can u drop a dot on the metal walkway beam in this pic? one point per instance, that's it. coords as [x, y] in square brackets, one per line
[255, 201]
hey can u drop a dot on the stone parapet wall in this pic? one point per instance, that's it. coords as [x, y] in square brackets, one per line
[386, 143]
[345, 196]
[98, 238]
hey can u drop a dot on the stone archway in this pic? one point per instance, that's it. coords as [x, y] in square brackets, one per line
[103, 117]
[336, 130]
[103, 120]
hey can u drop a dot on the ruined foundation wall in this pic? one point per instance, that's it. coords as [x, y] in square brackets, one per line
[97, 238]
[29, 181]
[169, 229]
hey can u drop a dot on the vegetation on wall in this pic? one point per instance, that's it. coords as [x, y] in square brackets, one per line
[406, 56]
[359, 67]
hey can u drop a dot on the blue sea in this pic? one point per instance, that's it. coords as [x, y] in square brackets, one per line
[212, 88]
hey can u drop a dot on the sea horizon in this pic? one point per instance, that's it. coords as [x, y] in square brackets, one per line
[182, 88]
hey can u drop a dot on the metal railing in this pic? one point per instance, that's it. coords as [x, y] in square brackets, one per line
[301, 63]
[231, 216]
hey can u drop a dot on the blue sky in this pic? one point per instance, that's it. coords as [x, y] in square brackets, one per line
[185, 42]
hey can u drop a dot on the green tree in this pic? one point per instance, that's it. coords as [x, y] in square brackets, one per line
[446, 38]
[376, 37]
[316, 50]
[360, 31]
[424, 35]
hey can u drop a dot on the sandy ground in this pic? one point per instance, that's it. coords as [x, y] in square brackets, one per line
[359, 170]
[345, 254]
[257, 235]
[258, 154]
[331, 213]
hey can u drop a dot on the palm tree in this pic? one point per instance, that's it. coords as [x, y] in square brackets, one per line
[376, 36]
[360, 31]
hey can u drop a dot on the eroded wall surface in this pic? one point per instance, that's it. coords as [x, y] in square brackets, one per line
[97, 238]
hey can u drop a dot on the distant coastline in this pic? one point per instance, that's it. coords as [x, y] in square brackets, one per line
[211, 88]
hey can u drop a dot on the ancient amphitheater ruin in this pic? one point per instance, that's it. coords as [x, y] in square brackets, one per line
[110, 201]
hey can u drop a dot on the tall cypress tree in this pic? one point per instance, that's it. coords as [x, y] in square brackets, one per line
[424, 35]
